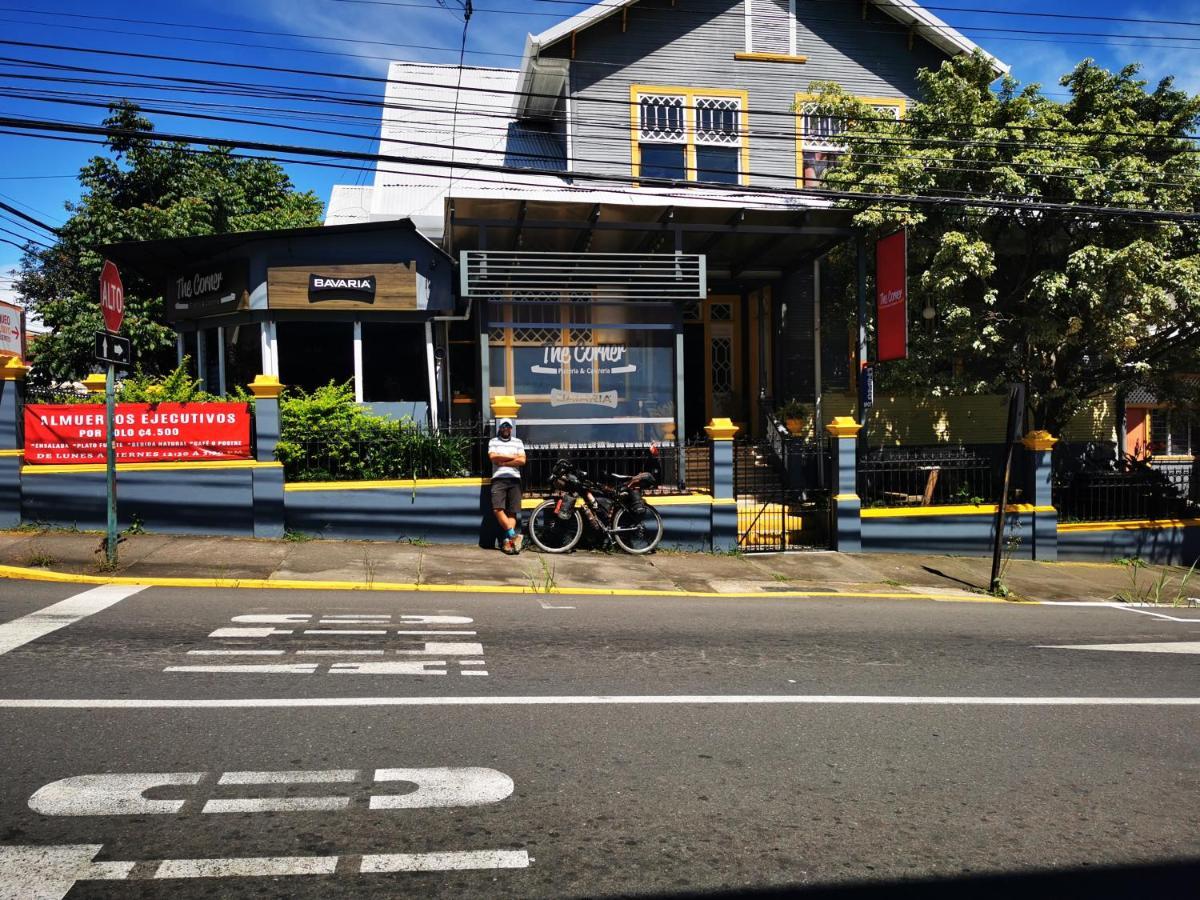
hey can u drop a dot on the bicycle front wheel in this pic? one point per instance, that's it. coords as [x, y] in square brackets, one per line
[551, 533]
[635, 534]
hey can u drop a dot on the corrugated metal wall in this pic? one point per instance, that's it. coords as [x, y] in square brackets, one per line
[693, 44]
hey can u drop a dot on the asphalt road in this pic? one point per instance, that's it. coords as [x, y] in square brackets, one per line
[585, 746]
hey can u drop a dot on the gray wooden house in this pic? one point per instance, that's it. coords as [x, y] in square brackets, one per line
[641, 274]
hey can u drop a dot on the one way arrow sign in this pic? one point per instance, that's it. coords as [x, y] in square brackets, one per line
[111, 348]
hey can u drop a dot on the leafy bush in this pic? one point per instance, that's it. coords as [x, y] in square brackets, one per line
[177, 386]
[326, 436]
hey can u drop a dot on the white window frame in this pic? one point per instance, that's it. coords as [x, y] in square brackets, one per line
[691, 101]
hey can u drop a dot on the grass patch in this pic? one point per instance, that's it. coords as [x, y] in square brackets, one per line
[297, 537]
[39, 559]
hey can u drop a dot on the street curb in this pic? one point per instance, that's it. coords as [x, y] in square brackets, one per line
[46, 575]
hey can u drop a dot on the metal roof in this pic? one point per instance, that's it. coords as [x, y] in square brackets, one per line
[906, 12]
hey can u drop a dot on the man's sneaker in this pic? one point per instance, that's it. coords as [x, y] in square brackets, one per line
[517, 542]
[508, 547]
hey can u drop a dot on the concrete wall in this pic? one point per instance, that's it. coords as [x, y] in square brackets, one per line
[206, 498]
[943, 530]
[1093, 542]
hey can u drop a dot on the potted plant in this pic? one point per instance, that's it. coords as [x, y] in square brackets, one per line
[794, 415]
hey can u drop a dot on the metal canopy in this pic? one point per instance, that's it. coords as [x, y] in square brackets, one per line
[739, 243]
[600, 276]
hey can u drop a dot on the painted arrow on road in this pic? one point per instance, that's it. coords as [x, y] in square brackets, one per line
[1164, 647]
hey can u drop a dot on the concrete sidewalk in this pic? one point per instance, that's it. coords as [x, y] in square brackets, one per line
[159, 556]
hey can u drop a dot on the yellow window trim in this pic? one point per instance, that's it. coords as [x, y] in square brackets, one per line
[898, 102]
[769, 57]
[689, 95]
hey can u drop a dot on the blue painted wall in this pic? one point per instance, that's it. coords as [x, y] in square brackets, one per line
[1174, 546]
[965, 535]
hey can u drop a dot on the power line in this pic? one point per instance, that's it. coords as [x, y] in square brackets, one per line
[803, 193]
[12, 210]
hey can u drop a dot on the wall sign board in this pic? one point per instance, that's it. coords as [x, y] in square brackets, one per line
[374, 286]
[209, 290]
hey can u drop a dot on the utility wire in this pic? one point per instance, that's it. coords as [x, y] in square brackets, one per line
[12, 210]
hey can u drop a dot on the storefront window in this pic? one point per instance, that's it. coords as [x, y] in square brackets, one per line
[312, 354]
[584, 371]
[395, 364]
[243, 354]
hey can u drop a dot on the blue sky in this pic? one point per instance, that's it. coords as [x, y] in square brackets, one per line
[357, 37]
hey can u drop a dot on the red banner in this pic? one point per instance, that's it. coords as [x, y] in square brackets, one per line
[145, 432]
[891, 297]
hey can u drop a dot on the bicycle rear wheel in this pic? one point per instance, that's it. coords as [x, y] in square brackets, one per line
[635, 534]
[551, 533]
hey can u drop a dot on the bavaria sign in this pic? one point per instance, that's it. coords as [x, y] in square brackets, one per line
[112, 297]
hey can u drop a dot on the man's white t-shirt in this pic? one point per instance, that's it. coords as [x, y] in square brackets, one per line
[511, 447]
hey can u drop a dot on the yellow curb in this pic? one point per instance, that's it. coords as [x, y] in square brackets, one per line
[18, 572]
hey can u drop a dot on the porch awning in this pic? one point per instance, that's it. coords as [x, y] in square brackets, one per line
[741, 244]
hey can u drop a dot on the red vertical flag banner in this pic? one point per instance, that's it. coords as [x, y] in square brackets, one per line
[891, 297]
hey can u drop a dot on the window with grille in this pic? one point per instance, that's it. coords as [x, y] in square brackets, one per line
[690, 135]
[1171, 433]
[819, 136]
[771, 26]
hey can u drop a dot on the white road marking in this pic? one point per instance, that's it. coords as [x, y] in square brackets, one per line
[273, 618]
[585, 700]
[343, 631]
[385, 617]
[282, 669]
[249, 867]
[1158, 615]
[470, 662]
[436, 620]
[50, 872]
[248, 632]
[339, 652]
[443, 862]
[276, 804]
[546, 605]
[405, 667]
[436, 633]
[1162, 647]
[474, 672]
[299, 776]
[437, 787]
[109, 795]
[448, 648]
[38, 624]
[235, 653]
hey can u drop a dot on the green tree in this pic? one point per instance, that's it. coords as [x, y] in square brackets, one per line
[1073, 304]
[144, 189]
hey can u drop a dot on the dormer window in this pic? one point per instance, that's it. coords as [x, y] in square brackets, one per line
[771, 27]
[690, 135]
[818, 136]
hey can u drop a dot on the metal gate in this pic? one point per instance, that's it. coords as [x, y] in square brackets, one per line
[782, 497]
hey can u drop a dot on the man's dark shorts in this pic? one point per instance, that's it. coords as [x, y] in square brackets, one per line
[506, 495]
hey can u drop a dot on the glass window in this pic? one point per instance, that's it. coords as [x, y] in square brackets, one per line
[395, 364]
[312, 354]
[664, 161]
[211, 375]
[820, 137]
[719, 164]
[243, 354]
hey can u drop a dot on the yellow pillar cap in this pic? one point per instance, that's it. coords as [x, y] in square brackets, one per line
[843, 426]
[95, 383]
[13, 369]
[1039, 440]
[265, 387]
[505, 407]
[721, 429]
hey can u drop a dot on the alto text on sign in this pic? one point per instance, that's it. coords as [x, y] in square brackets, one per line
[112, 297]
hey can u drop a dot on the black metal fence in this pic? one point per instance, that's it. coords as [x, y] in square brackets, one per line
[935, 476]
[781, 485]
[600, 460]
[1093, 484]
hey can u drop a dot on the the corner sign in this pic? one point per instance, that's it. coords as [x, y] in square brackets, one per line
[891, 297]
[209, 290]
[360, 288]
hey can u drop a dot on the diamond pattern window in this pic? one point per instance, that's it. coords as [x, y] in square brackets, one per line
[818, 136]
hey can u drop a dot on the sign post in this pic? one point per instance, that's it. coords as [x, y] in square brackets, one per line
[112, 307]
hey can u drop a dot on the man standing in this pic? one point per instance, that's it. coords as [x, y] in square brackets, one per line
[507, 454]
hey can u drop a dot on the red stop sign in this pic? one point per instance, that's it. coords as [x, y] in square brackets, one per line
[112, 297]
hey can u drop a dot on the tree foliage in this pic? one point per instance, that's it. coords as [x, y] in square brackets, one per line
[143, 189]
[1073, 304]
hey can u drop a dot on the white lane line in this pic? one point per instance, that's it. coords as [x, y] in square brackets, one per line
[437, 787]
[343, 631]
[38, 624]
[339, 652]
[1158, 615]
[299, 776]
[474, 672]
[405, 667]
[546, 605]
[248, 632]
[374, 863]
[276, 804]
[1162, 647]
[437, 633]
[583, 700]
[260, 867]
[282, 669]
[235, 653]
[470, 662]
[447, 648]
